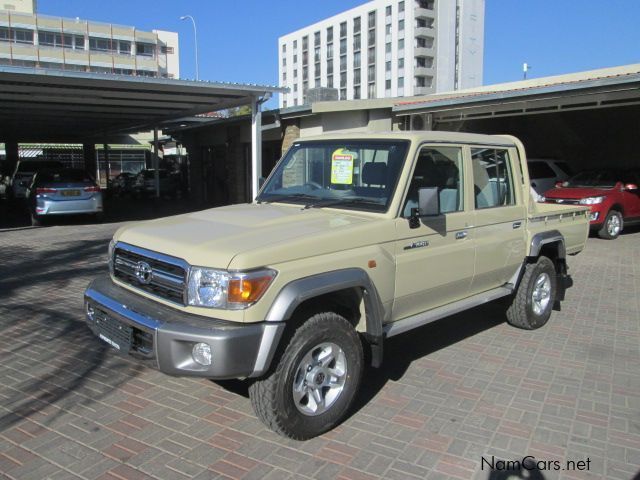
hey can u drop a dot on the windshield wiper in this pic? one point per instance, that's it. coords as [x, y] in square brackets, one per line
[294, 196]
[331, 202]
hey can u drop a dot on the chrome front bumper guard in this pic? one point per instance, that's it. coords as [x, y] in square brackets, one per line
[163, 337]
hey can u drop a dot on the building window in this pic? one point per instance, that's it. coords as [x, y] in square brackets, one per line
[330, 50]
[330, 34]
[356, 76]
[401, 25]
[316, 54]
[400, 63]
[284, 48]
[284, 104]
[343, 46]
[387, 66]
[329, 67]
[428, 4]
[305, 43]
[400, 82]
[401, 7]
[295, 58]
[401, 44]
[356, 93]
[372, 37]
[356, 25]
[284, 61]
[170, 50]
[16, 35]
[343, 94]
[343, 29]
[104, 45]
[330, 81]
[387, 11]
[284, 77]
[295, 45]
[420, 82]
[356, 43]
[343, 79]
[305, 57]
[145, 49]
[343, 62]
[316, 39]
[124, 47]
[305, 73]
[371, 75]
[424, 22]
[295, 87]
[372, 19]
[387, 48]
[371, 90]
[356, 60]
[295, 73]
[387, 84]
[371, 55]
[52, 39]
[424, 42]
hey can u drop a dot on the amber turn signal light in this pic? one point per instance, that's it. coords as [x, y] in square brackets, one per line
[248, 289]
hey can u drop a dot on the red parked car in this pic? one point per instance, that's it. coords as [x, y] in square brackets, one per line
[612, 195]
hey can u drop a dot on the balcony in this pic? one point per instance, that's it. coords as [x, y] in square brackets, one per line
[423, 71]
[423, 32]
[423, 52]
[422, 90]
[420, 12]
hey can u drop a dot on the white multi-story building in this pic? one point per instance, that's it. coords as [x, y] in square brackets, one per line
[386, 48]
[31, 40]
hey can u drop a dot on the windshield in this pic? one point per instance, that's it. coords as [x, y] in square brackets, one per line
[605, 178]
[358, 175]
[36, 165]
[64, 176]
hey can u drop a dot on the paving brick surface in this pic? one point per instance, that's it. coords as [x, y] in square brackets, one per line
[452, 399]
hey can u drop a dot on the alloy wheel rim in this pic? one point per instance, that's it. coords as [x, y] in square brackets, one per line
[541, 295]
[613, 227]
[319, 379]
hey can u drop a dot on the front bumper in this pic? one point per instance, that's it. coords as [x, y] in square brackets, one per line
[163, 337]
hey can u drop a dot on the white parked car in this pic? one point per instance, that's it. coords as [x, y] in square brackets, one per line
[545, 172]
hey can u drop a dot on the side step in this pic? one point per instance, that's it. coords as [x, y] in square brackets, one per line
[409, 323]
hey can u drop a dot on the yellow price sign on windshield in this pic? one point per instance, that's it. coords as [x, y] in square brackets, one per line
[342, 167]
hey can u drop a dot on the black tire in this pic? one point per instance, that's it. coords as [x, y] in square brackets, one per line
[272, 396]
[36, 220]
[612, 225]
[98, 217]
[526, 311]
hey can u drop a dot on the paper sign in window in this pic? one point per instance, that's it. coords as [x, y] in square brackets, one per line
[342, 167]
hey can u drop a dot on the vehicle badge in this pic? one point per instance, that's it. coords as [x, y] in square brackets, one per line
[143, 272]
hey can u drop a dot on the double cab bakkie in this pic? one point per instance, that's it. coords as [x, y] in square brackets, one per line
[352, 239]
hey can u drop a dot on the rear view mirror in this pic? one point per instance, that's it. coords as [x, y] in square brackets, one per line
[428, 206]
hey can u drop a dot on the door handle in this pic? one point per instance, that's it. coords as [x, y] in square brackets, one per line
[461, 235]
[517, 225]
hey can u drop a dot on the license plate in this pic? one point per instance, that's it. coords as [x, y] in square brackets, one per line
[113, 332]
[70, 193]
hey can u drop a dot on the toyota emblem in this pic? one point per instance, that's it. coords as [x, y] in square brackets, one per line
[143, 272]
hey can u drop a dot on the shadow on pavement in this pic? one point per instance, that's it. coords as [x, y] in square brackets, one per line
[51, 362]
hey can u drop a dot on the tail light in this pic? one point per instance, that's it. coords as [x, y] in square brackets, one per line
[94, 188]
[42, 191]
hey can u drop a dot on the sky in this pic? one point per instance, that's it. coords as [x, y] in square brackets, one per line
[238, 40]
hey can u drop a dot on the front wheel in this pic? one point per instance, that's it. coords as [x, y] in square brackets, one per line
[532, 304]
[313, 385]
[612, 226]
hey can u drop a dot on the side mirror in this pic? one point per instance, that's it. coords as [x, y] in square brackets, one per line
[630, 186]
[428, 206]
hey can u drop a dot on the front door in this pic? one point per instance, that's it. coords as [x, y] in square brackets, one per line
[435, 261]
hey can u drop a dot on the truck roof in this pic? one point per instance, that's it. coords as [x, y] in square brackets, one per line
[417, 136]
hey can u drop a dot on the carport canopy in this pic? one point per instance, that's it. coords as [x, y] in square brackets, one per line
[57, 106]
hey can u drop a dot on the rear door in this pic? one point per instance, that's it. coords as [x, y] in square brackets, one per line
[435, 261]
[499, 218]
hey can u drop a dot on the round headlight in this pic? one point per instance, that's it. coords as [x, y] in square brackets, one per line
[201, 353]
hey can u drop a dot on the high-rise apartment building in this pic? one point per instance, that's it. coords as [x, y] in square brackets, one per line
[386, 48]
[31, 40]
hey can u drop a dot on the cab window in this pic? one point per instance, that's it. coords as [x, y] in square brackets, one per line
[492, 178]
[439, 167]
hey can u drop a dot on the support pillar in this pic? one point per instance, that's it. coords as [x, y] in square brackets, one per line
[107, 165]
[156, 162]
[90, 160]
[12, 156]
[256, 147]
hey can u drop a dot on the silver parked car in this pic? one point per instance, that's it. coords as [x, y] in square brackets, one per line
[63, 192]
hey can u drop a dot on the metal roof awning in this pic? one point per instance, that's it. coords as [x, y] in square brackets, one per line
[40, 105]
[603, 88]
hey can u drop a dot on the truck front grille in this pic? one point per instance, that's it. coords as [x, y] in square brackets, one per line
[160, 275]
[564, 201]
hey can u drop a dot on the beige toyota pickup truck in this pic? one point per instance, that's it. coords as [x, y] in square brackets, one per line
[351, 240]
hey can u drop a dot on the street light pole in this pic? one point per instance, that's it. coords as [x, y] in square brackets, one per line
[195, 38]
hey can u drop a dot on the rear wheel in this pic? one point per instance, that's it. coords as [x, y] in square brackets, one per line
[315, 381]
[533, 302]
[612, 226]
